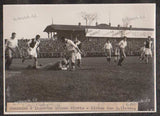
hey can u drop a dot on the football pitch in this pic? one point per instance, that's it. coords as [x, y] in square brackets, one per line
[95, 81]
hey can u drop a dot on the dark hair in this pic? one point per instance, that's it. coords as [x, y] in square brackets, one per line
[37, 36]
[6, 40]
[13, 33]
[125, 37]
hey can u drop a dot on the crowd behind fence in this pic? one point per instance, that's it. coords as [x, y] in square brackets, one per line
[90, 47]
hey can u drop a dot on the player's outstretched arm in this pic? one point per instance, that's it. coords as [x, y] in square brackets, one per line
[75, 46]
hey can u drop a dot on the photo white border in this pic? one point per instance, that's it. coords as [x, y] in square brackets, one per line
[155, 93]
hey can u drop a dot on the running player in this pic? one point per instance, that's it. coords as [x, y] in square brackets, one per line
[78, 55]
[148, 47]
[12, 49]
[70, 50]
[122, 46]
[33, 49]
[108, 50]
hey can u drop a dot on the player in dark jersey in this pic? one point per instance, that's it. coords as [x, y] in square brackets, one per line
[148, 47]
[32, 50]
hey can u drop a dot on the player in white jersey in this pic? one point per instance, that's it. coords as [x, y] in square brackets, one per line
[70, 49]
[116, 52]
[33, 49]
[12, 48]
[122, 46]
[142, 53]
[59, 65]
[148, 47]
[78, 55]
[108, 50]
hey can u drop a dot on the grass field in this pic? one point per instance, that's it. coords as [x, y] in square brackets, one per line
[96, 81]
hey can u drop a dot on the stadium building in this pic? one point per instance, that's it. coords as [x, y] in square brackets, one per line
[94, 37]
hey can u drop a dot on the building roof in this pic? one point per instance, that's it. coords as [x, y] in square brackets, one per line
[52, 28]
[60, 27]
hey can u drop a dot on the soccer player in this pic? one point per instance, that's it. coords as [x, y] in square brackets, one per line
[60, 65]
[116, 52]
[12, 48]
[108, 50]
[148, 47]
[122, 46]
[78, 55]
[71, 50]
[33, 49]
[8, 53]
[142, 53]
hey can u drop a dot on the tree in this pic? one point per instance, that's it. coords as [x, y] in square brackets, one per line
[89, 17]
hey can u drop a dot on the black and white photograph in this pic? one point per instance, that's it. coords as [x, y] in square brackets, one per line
[69, 58]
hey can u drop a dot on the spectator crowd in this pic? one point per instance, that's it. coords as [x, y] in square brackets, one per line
[90, 45]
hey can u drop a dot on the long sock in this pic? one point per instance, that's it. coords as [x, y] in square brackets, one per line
[8, 63]
[73, 65]
[109, 59]
[120, 61]
[79, 63]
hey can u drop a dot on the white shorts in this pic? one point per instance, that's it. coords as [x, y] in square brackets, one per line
[78, 56]
[108, 52]
[71, 55]
[142, 49]
[32, 52]
[117, 52]
[148, 51]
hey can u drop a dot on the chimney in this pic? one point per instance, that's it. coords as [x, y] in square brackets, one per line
[79, 24]
[96, 23]
[109, 24]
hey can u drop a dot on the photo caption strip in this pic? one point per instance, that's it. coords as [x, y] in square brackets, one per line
[71, 106]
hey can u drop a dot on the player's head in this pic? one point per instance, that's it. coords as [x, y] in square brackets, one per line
[13, 35]
[5, 41]
[108, 41]
[125, 38]
[32, 39]
[37, 37]
[149, 38]
[62, 39]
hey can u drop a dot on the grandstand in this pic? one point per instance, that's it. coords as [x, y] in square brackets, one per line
[93, 38]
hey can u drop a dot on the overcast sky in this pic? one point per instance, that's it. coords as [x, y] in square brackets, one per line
[29, 20]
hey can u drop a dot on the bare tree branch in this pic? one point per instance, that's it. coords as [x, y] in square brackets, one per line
[88, 17]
